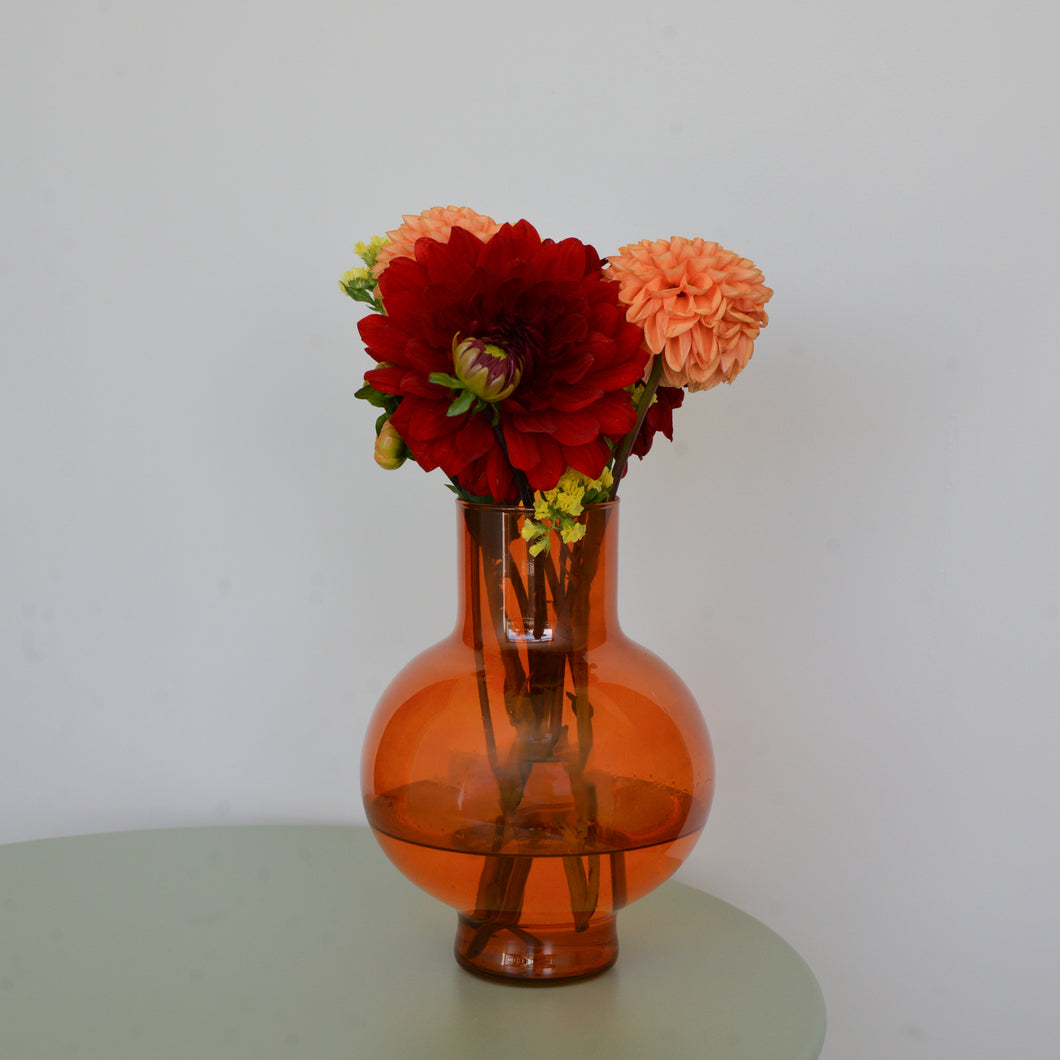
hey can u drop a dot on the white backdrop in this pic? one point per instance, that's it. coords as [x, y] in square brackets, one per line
[850, 555]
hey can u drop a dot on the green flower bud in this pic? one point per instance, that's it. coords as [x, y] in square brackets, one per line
[390, 451]
[487, 370]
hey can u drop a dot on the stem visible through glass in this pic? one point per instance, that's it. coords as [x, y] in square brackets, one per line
[535, 665]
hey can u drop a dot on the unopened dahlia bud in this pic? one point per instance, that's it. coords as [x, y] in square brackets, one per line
[390, 451]
[487, 370]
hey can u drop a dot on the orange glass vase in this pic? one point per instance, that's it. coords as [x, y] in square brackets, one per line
[537, 770]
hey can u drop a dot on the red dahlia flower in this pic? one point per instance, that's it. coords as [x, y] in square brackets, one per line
[549, 306]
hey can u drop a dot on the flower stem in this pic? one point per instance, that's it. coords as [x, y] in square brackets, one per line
[646, 398]
[480, 666]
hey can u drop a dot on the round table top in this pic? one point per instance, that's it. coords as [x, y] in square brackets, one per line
[304, 942]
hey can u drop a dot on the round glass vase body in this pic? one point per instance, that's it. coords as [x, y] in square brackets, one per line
[537, 770]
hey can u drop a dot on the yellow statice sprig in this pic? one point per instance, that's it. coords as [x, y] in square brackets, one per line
[635, 392]
[359, 283]
[559, 509]
[369, 252]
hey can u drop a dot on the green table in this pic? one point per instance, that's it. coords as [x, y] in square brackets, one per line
[304, 942]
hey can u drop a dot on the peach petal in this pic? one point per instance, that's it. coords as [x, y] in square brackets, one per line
[698, 304]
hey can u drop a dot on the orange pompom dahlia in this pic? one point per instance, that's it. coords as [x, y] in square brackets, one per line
[435, 223]
[698, 304]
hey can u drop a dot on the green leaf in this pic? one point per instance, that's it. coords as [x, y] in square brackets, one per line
[377, 398]
[445, 380]
[363, 294]
[461, 403]
[370, 394]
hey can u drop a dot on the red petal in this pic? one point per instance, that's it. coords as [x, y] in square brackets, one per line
[402, 274]
[476, 438]
[588, 459]
[382, 340]
[571, 398]
[387, 380]
[426, 420]
[499, 476]
[576, 428]
[522, 448]
[535, 422]
[559, 261]
[614, 412]
[426, 359]
[552, 463]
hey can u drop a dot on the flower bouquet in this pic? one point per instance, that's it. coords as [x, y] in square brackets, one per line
[537, 770]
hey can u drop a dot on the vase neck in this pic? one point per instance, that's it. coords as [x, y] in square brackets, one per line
[564, 596]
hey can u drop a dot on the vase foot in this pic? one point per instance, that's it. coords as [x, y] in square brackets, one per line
[525, 953]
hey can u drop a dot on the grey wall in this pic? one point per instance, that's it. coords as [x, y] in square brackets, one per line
[850, 555]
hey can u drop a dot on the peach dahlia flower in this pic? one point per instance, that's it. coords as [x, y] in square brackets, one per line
[435, 223]
[699, 305]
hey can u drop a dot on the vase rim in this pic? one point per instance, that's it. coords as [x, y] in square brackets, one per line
[521, 508]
